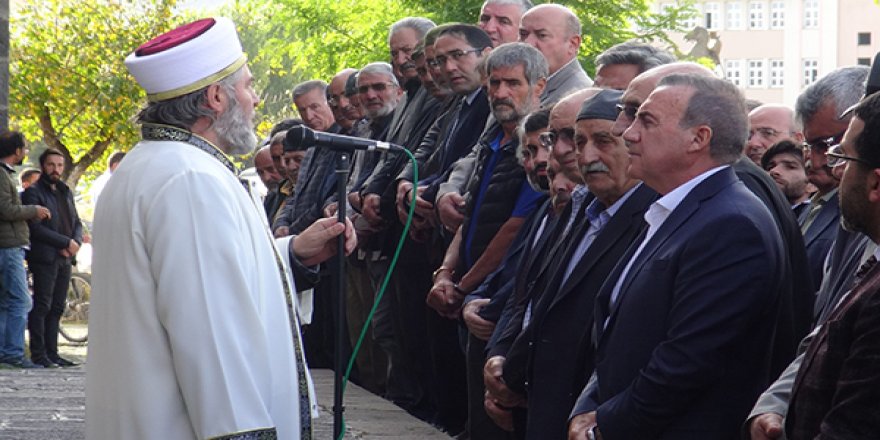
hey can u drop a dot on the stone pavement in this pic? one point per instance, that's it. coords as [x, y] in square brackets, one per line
[49, 404]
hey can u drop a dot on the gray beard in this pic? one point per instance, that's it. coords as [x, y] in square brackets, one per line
[234, 130]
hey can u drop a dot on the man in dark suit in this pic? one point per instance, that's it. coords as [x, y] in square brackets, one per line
[819, 109]
[797, 292]
[837, 387]
[684, 324]
[549, 357]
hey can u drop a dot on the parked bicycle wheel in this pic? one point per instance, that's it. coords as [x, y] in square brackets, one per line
[74, 321]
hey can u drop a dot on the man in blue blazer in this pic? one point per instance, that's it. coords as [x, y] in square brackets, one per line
[685, 322]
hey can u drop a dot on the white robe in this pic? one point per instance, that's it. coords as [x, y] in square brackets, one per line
[189, 334]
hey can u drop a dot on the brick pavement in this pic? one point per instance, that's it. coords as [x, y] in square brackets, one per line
[49, 404]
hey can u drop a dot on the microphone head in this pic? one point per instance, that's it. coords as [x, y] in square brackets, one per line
[299, 138]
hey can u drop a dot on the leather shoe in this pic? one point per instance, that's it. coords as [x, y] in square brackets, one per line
[44, 363]
[61, 362]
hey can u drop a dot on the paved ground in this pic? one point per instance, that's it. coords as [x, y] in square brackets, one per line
[50, 405]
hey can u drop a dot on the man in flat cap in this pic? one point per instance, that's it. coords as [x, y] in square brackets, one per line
[193, 325]
[548, 355]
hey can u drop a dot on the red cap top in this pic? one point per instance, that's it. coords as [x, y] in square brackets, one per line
[175, 37]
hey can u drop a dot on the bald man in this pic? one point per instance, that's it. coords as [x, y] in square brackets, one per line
[769, 124]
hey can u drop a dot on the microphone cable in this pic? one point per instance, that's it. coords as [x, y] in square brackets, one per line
[384, 285]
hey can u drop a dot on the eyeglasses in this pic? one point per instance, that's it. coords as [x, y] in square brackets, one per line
[765, 132]
[836, 157]
[377, 87]
[822, 144]
[629, 111]
[456, 55]
[549, 138]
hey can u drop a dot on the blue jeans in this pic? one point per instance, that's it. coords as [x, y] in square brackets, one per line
[15, 303]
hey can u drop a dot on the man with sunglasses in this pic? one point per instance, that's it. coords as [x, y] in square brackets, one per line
[835, 393]
[819, 109]
[840, 89]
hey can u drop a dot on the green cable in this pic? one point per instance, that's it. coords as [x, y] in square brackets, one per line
[409, 217]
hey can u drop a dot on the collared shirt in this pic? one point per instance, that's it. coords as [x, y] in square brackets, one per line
[598, 216]
[655, 217]
[578, 195]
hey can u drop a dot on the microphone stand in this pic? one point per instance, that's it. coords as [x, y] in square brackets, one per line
[342, 171]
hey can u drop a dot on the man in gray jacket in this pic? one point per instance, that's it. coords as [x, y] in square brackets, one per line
[15, 302]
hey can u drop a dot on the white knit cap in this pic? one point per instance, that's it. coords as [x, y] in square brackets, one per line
[187, 58]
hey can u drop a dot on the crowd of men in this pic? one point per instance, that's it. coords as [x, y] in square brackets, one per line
[638, 256]
[40, 225]
[634, 256]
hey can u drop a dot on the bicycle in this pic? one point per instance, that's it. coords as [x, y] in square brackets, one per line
[76, 308]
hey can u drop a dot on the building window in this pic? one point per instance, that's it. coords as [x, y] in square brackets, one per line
[864, 38]
[713, 16]
[693, 21]
[864, 62]
[811, 14]
[811, 71]
[777, 73]
[733, 71]
[734, 15]
[756, 73]
[757, 15]
[777, 15]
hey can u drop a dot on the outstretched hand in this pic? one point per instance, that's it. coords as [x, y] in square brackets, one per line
[317, 243]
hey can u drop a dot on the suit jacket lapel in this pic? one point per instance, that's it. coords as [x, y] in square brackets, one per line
[628, 216]
[827, 217]
[679, 216]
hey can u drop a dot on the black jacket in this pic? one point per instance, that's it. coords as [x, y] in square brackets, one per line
[46, 237]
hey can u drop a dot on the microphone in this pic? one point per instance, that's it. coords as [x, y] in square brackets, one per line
[301, 137]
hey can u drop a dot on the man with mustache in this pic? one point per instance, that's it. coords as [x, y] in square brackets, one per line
[54, 244]
[545, 355]
[15, 302]
[194, 332]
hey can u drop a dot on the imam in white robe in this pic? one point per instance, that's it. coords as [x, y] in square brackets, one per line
[189, 330]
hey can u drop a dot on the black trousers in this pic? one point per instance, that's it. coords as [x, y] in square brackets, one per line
[51, 282]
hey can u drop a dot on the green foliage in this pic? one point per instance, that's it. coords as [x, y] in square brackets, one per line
[68, 84]
[290, 41]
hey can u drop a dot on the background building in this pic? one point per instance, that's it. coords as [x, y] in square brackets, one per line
[773, 48]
